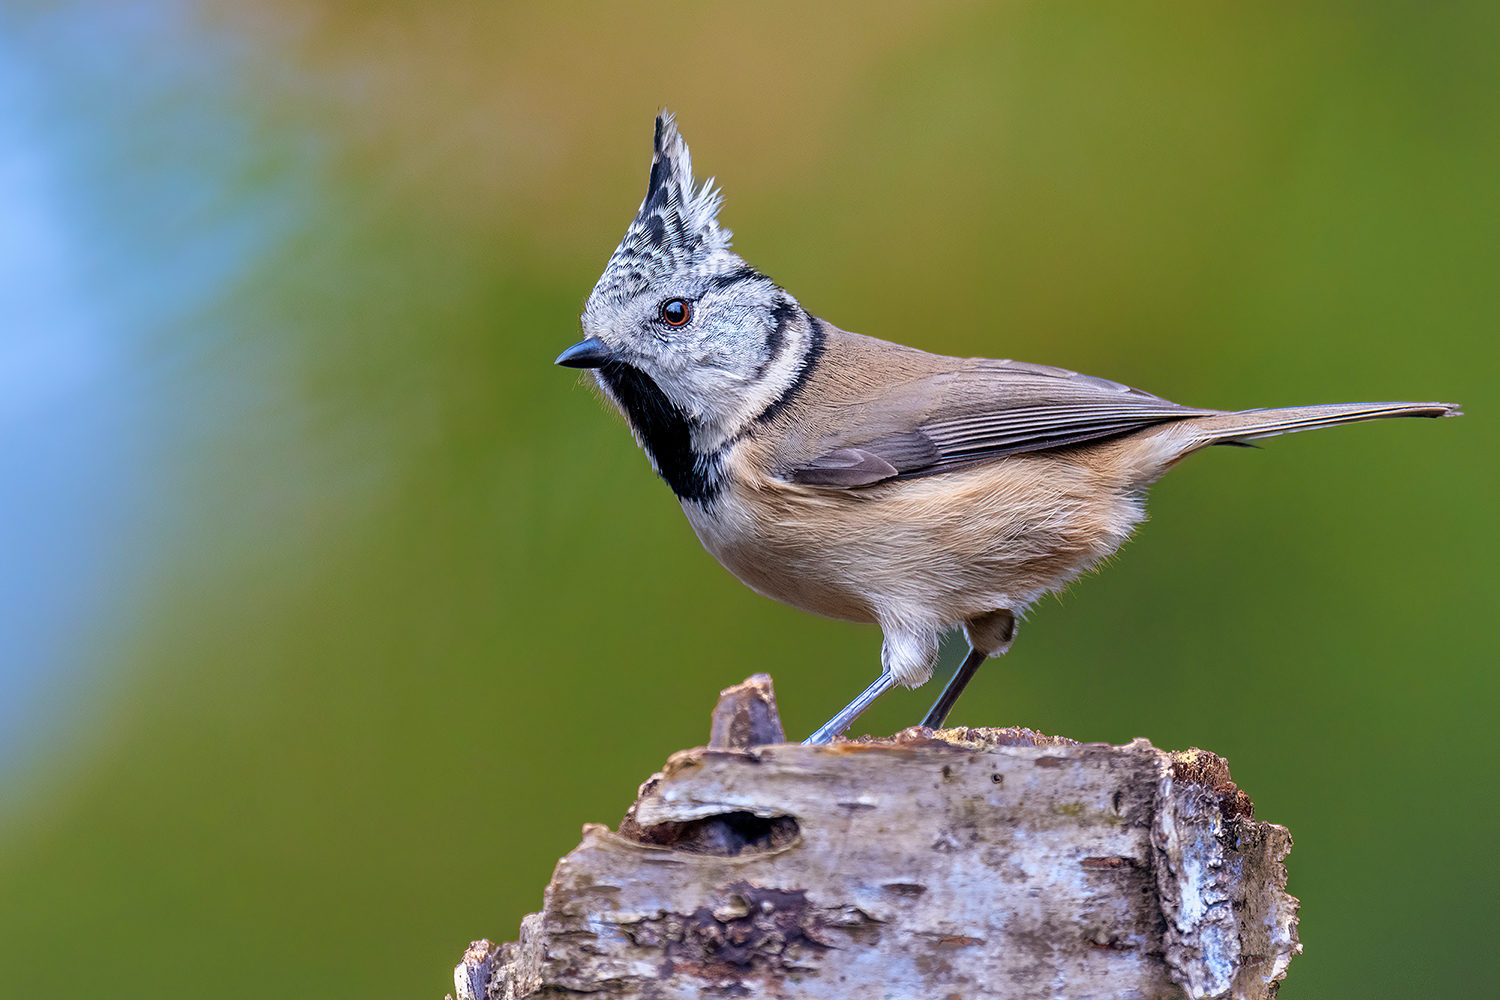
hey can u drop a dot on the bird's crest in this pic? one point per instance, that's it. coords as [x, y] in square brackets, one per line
[677, 226]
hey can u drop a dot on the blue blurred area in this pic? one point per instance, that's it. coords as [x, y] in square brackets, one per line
[123, 220]
[72, 480]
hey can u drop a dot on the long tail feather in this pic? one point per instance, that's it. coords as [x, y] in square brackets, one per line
[1247, 425]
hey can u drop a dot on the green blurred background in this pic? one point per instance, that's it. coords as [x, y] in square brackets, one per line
[336, 609]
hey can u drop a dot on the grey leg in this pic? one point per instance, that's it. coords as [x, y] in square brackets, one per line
[836, 725]
[938, 714]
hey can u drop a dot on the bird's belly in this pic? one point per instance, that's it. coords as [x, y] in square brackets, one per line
[940, 548]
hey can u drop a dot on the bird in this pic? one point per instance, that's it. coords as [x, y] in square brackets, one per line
[864, 480]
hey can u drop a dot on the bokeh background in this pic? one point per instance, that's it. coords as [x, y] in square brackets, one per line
[331, 610]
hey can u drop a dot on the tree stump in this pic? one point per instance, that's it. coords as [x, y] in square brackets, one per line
[964, 863]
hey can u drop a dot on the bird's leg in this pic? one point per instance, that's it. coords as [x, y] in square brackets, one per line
[842, 721]
[956, 684]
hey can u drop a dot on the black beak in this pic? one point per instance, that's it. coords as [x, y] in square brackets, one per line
[591, 353]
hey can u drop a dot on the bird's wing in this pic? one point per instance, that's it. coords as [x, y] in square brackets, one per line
[979, 411]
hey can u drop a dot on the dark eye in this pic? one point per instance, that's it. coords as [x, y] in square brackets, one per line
[675, 312]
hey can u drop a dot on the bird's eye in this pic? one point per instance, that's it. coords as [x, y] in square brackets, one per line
[675, 312]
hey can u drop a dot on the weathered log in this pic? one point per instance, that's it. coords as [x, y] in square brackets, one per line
[965, 863]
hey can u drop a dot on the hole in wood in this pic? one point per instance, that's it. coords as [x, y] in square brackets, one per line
[726, 835]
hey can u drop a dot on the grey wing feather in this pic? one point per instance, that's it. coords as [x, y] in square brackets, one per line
[1035, 428]
[845, 467]
[985, 410]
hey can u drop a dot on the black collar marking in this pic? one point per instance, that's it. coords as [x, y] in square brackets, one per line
[815, 346]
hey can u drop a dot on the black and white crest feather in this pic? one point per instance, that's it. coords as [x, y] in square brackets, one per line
[676, 228]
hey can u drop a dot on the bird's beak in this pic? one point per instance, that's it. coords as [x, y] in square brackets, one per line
[590, 353]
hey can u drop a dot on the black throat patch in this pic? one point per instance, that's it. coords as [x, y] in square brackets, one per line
[665, 433]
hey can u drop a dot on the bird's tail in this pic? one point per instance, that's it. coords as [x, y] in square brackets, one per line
[1247, 425]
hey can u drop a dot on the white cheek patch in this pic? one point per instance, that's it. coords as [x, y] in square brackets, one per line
[729, 401]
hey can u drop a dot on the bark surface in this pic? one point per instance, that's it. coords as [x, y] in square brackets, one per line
[964, 863]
